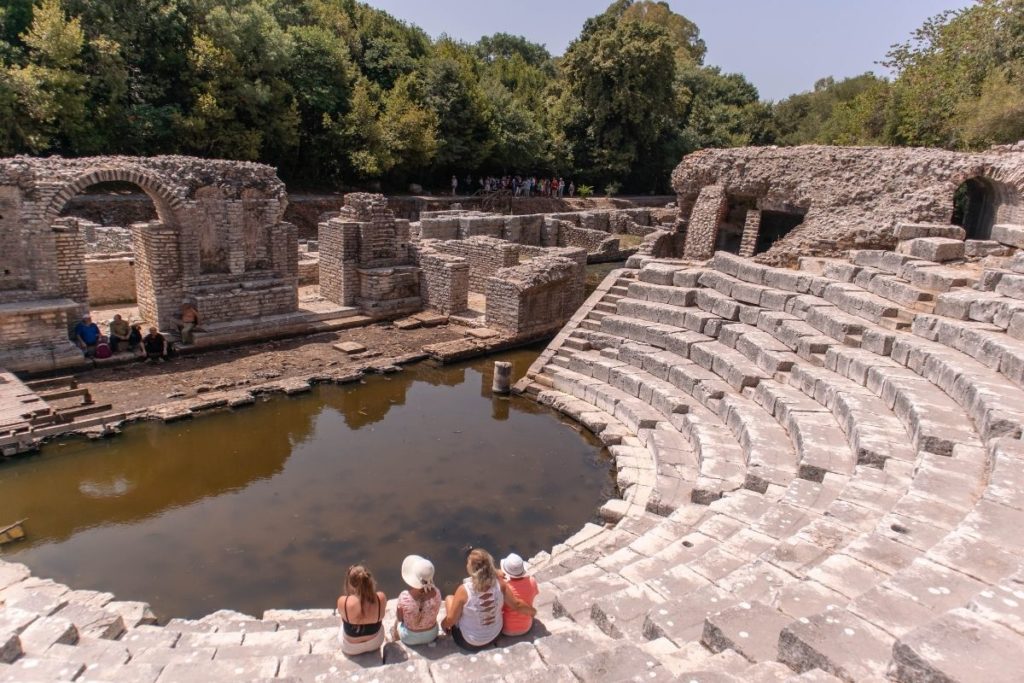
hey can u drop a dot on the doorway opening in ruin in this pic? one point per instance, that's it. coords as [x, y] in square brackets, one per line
[974, 207]
[775, 225]
[101, 261]
[730, 230]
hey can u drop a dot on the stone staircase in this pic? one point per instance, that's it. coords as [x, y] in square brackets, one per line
[821, 478]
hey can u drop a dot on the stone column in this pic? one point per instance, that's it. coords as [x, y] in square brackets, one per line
[708, 212]
[502, 382]
[71, 261]
[339, 261]
[235, 231]
[751, 231]
[158, 276]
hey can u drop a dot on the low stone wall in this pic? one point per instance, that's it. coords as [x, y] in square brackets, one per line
[110, 279]
[444, 281]
[539, 296]
[485, 255]
[236, 303]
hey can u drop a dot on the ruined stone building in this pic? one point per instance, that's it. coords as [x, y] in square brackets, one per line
[218, 242]
[782, 203]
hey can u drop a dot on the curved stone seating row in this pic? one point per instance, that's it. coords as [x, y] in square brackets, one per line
[887, 383]
[808, 483]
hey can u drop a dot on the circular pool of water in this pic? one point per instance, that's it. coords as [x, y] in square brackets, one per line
[266, 507]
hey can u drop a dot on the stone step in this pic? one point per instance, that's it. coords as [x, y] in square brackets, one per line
[838, 643]
[959, 646]
[750, 628]
[31, 669]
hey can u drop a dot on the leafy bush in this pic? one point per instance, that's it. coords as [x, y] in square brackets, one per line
[612, 188]
[585, 191]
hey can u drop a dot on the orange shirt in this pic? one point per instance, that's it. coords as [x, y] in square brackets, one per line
[526, 590]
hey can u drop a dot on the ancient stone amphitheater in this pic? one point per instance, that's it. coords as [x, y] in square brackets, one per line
[821, 474]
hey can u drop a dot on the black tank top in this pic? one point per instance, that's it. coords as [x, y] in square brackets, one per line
[362, 630]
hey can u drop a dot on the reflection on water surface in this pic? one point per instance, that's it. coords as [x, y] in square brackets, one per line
[267, 506]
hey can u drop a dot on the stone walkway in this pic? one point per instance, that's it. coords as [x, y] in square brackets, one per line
[821, 479]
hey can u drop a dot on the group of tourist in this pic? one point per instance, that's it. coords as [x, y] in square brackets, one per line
[531, 186]
[125, 336]
[487, 604]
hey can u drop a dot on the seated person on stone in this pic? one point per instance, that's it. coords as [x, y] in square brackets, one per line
[119, 332]
[417, 607]
[188, 322]
[473, 613]
[135, 340]
[87, 336]
[155, 345]
[362, 613]
[525, 588]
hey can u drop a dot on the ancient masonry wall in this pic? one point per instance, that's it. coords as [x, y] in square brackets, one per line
[70, 262]
[702, 231]
[538, 296]
[444, 281]
[485, 255]
[751, 231]
[158, 275]
[218, 240]
[848, 197]
[367, 260]
[339, 261]
[111, 279]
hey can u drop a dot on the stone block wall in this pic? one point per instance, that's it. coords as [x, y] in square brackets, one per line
[751, 231]
[35, 327]
[482, 226]
[239, 302]
[71, 261]
[385, 292]
[339, 261]
[594, 241]
[444, 281]
[158, 273]
[707, 214]
[110, 279]
[535, 298]
[485, 255]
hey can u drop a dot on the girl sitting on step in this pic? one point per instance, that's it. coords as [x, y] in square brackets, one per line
[418, 606]
[362, 613]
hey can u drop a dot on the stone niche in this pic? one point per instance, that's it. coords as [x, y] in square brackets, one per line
[366, 261]
[783, 203]
[218, 242]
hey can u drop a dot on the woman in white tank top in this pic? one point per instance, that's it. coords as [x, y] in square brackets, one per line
[473, 614]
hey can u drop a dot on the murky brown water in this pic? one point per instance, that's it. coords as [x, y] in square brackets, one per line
[267, 506]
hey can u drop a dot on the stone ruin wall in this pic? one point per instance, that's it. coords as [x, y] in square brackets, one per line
[538, 296]
[485, 256]
[218, 240]
[853, 197]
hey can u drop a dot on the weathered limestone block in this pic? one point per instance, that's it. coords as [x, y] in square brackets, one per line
[938, 249]
[1010, 235]
[911, 231]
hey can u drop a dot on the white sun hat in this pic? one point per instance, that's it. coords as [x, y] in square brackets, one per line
[513, 566]
[418, 572]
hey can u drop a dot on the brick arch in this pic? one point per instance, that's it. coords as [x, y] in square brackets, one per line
[166, 201]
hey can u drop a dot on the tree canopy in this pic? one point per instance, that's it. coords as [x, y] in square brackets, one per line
[335, 93]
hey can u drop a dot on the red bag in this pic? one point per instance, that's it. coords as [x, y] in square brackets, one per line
[103, 350]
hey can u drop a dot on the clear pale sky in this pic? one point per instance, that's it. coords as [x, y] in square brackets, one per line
[781, 46]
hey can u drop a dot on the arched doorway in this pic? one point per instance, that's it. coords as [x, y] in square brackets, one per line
[974, 207]
[102, 214]
[144, 278]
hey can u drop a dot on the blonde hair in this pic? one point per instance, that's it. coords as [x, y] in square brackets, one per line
[361, 583]
[481, 569]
